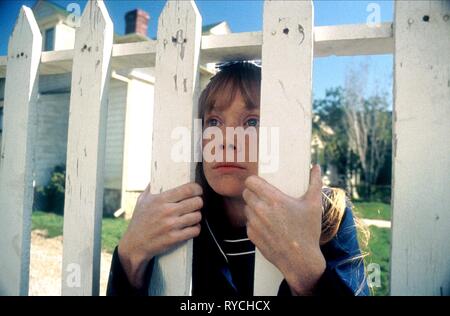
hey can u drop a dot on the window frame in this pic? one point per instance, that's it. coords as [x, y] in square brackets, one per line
[49, 35]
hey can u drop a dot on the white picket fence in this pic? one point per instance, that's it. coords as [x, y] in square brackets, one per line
[420, 257]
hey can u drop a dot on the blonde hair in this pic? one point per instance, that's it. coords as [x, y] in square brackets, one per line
[335, 201]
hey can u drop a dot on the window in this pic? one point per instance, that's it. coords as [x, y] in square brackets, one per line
[1, 120]
[49, 39]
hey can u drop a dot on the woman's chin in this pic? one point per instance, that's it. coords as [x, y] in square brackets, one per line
[228, 187]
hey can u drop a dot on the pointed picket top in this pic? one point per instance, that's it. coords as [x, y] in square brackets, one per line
[95, 28]
[26, 25]
[26, 36]
[96, 16]
[17, 154]
[86, 150]
[178, 26]
[176, 90]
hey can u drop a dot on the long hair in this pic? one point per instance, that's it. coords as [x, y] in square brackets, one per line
[245, 77]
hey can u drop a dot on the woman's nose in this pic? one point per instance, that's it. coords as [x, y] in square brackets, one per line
[231, 146]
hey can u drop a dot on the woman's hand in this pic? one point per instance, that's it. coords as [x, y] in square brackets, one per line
[287, 230]
[159, 222]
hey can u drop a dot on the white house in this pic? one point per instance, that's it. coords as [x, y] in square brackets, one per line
[130, 109]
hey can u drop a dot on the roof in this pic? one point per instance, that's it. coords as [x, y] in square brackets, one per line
[208, 27]
[54, 6]
[222, 28]
[126, 38]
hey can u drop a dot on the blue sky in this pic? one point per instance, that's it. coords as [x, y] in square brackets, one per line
[246, 16]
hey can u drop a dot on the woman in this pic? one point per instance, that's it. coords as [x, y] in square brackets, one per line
[312, 240]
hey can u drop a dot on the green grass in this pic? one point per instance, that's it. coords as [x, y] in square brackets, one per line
[373, 210]
[379, 243]
[379, 253]
[50, 222]
[112, 231]
[112, 228]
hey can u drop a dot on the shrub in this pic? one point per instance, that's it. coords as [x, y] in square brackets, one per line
[51, 197]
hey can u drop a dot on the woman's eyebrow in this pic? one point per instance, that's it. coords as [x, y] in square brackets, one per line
[252, 109]
[211, 111]
[248, 108]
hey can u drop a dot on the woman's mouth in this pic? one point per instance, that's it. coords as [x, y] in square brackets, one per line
[228, 167]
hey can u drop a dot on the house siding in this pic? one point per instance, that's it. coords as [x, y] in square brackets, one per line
[115, 134]
[52, 129]
[51, 136]
[64, 37]
[138, 144]
[55, 83]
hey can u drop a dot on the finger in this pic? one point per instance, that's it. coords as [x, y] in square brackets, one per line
[189, 205]
[254, 202]
[249, 197]
[187, 233]
[182, 192]
[190, 219]
[249, 214]
[315, 182]
[144, 193]
[262, 188]
[147, 189]
[315, 178]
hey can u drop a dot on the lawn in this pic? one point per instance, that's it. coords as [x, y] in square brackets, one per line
[379, 253]
[373, 210]
[378, 248]
[380, 240]
[112, 228]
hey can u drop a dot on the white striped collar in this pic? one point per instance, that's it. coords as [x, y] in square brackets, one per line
[236, 240]
[215, 240]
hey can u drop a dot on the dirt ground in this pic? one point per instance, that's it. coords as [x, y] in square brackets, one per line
[46, 265]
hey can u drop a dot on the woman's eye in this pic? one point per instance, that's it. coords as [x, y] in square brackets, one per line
[212, 122]
[252, 122]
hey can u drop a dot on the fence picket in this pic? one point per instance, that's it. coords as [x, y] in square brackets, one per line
[420, 257]
[287, 54]
[176, 89]
[17, 153]
[85, 151]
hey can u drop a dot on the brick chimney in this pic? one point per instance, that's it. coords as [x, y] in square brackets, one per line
[136, 22]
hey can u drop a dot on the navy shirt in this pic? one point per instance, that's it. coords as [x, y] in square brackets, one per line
[225, 268]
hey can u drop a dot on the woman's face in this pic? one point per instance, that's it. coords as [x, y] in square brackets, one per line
[228, 180]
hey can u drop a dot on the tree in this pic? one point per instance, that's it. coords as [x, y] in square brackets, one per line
[328, 127]
[355, 134]
[368, 125]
